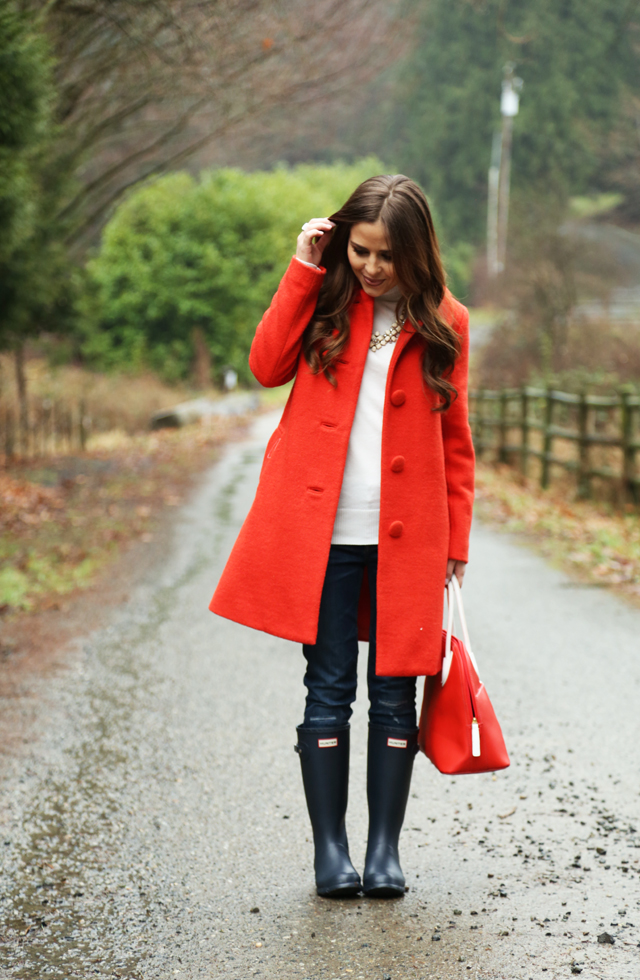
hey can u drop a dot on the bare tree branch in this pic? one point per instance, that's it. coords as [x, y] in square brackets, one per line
[145, 84]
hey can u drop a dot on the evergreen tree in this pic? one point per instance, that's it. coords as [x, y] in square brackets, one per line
[576, 58]
[24, 93]
[27, 280]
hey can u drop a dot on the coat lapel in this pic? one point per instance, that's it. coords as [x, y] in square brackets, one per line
[360, 327]
[407, 334]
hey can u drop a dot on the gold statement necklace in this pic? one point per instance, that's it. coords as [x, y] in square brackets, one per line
[378, 340]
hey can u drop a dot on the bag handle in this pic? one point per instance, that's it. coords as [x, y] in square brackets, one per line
[454, 598]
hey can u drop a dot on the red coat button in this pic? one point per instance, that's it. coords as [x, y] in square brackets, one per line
[396, 529]
[398, 397]
[397, 464]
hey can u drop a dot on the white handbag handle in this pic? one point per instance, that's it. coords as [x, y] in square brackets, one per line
[454, 598]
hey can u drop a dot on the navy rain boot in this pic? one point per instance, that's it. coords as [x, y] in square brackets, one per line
[389, 766]
[324, 757]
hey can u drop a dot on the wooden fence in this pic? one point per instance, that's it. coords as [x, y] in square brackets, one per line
[591, 437]
[47, 427]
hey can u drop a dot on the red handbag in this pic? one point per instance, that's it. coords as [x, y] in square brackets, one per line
[459, 730]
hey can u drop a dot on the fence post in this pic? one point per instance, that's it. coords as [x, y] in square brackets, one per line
[471, 405]
[9, 434]
[479, 422]
[629, 487]
[584, 482]
[68, 429]
[502, 443]
[524, 427]
[47, 427]
[548, 440]
[55, 422]
[82, 425]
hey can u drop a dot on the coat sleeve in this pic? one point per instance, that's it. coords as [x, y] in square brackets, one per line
[276, 346]
[458, 448]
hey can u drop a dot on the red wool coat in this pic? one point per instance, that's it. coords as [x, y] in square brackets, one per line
[274, 576]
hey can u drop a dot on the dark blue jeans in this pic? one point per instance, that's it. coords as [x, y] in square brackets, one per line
[331, 675]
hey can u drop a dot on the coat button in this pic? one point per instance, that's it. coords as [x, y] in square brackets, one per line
[397, 464]
[396, 529]
[398, 397]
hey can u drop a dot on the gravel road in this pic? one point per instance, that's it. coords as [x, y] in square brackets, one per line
[154, 826]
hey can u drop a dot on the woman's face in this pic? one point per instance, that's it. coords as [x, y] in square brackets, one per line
[370, 258]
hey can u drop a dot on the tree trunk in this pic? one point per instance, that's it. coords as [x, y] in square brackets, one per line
[23, 406]
[201, 360]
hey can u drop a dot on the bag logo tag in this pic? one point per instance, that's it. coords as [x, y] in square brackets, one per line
[327, 743]
[397, 743]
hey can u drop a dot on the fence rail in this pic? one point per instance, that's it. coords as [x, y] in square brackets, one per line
[591, 437]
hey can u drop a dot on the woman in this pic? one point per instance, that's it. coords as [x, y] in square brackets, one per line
[363, 509]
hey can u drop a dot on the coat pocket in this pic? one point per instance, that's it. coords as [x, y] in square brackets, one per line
[272, 447]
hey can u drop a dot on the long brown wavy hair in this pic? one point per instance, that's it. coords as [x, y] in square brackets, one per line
[403, 210]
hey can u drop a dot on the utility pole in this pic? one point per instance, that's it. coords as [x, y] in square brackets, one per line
[492, 209]
[500, 174]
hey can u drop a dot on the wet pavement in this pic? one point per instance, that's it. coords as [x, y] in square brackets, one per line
[153, 826]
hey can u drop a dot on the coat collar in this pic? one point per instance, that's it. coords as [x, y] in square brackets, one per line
[366, 304]
[446, 308]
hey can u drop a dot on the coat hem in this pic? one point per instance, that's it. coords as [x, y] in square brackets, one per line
[308, 640]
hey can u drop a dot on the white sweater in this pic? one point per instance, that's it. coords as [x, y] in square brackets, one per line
[358, 513]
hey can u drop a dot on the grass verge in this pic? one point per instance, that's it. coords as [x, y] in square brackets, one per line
[588, 539]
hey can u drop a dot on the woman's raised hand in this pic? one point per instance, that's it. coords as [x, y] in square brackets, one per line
[313, 239]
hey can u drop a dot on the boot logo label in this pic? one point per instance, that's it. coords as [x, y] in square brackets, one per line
[327, 743]
[397, 743]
